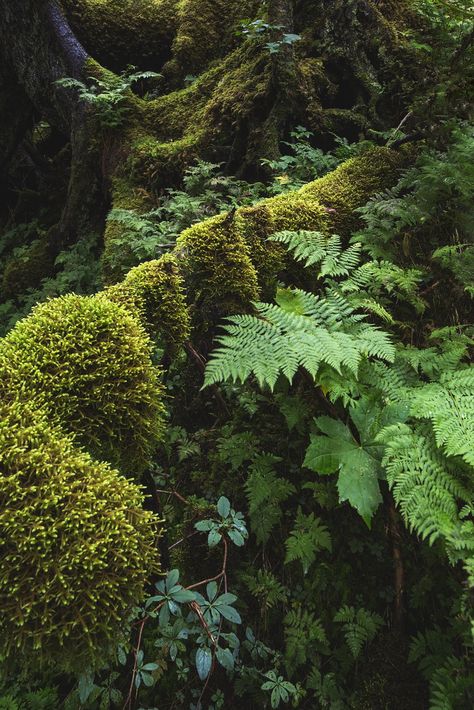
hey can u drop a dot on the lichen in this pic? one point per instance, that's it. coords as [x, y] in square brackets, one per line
[87, 361]
[75, 543]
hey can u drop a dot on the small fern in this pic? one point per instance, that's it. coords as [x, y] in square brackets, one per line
[265, 492]
[307, 537]
[360, 627]
[304, 634]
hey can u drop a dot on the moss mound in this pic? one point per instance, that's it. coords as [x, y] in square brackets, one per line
[155, 292]
[75, 544]
[87, 360]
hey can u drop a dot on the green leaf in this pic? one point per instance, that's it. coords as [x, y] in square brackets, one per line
[225, 658]
[204, 525]
[184, 596]
[147, 679]
[211, 590]
[229, 613]
[85, 686]
[149, 667]
[214, 537]
[236, 537]
[223, 507]
[203, 662]
[358, 464]
[172, 578]
[358, 483]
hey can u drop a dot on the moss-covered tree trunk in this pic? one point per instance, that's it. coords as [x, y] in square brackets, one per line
[43, 50]
[236, 108]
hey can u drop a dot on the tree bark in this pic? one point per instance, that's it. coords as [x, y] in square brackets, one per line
[42, 49]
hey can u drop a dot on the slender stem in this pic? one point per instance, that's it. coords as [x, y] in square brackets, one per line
[398, 568]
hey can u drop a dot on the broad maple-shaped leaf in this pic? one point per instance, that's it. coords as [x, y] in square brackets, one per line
[357, 461]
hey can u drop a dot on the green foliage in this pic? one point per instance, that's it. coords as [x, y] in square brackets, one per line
[108, 96]
[256, 29]
[281, 690]
[435, 194]
[265, 492]
[360, 627]
[301, 164]
[77, 271]
[357, 460]
[206, 192]
[301, 329]
[307, 537]
[304, 633]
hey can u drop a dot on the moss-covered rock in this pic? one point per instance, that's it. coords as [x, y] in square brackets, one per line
[75, 543]
[87, 361]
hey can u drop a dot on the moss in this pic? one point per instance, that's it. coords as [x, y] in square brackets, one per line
[199, 120]
[117, 258]
[87, 360]
[27, 269]
[206, 29]
[215, 259]
[123, 32]
[351, 185]
[154, 290]
[227, 260]
[75, 544]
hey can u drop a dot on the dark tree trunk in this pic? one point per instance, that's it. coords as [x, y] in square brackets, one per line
[44, 50]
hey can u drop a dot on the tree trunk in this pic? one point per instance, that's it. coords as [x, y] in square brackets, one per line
[45, 50]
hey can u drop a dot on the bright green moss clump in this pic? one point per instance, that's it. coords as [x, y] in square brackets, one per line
[217, 268]
[87, 360]
[75, 544]
[154, 290]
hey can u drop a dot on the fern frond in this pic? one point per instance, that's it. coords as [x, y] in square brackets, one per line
[265, 492]
[449, 404]
[360, 627]
[307, 537]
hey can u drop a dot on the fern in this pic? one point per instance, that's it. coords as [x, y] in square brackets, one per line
[426, 486]
[318, 248]
[307, 537]
[279, 341]
[360, 627]
[449, 404]
[304, 635]
[266, 588]
[265, 492]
